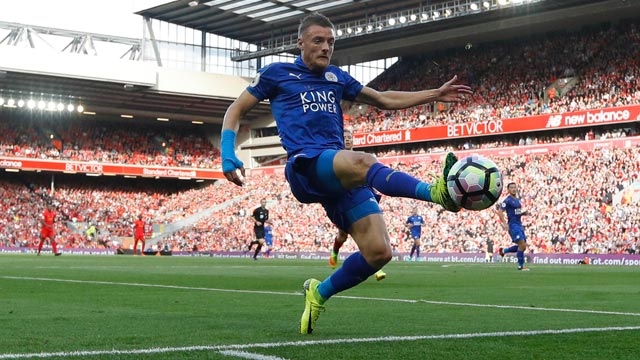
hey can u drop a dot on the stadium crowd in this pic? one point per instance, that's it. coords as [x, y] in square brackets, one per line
[513, 79]
[107, 141]
[570, 195]
[509, 79]
[109, 205]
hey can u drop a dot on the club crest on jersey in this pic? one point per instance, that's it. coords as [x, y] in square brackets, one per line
[255, 80]
[331, 76]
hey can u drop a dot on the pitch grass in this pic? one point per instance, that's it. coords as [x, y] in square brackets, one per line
[137, 304]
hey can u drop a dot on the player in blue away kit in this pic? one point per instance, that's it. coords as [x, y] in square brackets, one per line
[512, 207]
[414, 225]
[268, 237]
[305, 101]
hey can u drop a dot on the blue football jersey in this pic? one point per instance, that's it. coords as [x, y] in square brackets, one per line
[416, 222]
[268, 235]
[513, 208]
[306, 104]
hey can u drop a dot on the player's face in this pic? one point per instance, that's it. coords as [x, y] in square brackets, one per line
[316, 46]
[263, 203]
[513, 189]
[348, 140]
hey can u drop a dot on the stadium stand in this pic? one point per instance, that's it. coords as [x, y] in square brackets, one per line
[510, 79]
[107, 141]
[589, 213]
[594, 219]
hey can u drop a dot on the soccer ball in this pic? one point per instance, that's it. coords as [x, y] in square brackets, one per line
[474, 182]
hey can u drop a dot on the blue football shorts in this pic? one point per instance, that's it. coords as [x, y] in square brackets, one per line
[517, 233]
[312, 180]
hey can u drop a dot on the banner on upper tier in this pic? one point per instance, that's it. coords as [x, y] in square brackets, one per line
[575, 119]
[623, 114]
[98, 169]
[541, 149]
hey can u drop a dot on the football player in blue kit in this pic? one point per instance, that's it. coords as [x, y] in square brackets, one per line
[305, 102]
[512, 207]
[268, 237]
[414, 225]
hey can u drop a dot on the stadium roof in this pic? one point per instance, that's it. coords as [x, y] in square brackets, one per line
[254, 21]
[261, 21]
[107, 97]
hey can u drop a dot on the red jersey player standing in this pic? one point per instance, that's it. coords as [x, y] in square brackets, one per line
[138, 235]
[46, 231]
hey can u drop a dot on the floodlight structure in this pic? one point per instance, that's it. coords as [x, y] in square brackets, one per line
[390, 21]
[39, 102]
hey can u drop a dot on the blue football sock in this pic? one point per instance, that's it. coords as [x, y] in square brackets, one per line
[396, 183]
[417, 251]
[520, 256]
[413, 249]
[354, 270]
[514, 248]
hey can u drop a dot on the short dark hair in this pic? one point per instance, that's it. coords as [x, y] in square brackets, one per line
[314, 19]
[511, 183]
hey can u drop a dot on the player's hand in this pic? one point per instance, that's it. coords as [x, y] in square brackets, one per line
[230, 165]
[452, 92]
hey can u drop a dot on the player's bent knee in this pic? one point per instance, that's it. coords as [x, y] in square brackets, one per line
[387, 255]
[382, 258]
[354, 163]
[378, 255]
[363, 161]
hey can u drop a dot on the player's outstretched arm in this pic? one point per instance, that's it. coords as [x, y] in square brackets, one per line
[394, 100]
[230, 126]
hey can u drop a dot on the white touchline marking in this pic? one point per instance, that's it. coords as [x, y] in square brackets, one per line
[248, 355]
[433, 302]
[298, 293]
[220, 348]
[601, 312]
[152, 285]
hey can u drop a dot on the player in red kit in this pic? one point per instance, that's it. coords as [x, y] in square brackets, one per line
[46, 231]
[138, 235]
